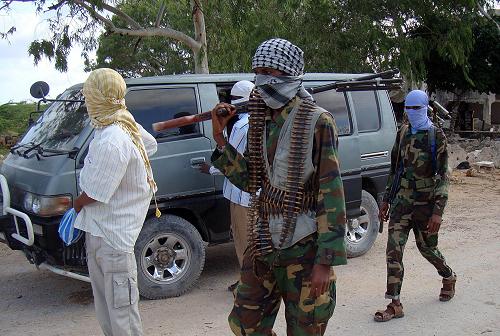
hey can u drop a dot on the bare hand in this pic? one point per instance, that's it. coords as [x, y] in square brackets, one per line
[434, 224]
[320, 280]
[77, 207]
[220, 122]
[383, 213]
[82, 201]
[204, 168]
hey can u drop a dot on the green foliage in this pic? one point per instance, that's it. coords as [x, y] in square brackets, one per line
[149, 56]
[14, 117]
[482, 68]
[336, 35]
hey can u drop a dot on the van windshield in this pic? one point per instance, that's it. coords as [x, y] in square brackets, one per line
[60, 125]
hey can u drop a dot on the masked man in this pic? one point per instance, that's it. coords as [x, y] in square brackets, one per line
[240, 93]
[297, 210]
[117, 185]
[421, 155]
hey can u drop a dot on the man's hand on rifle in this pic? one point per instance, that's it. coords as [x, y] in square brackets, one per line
[383, 213]
[434, 223]
[220, 122]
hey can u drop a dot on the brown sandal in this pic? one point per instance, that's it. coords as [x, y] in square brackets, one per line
[448, 290]
[393, 311]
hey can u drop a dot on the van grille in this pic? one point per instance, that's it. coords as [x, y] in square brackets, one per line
[75, 254]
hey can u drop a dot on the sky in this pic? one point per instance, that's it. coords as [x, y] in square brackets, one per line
[17, 70]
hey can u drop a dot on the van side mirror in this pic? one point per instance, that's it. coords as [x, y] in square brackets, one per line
[39, 89]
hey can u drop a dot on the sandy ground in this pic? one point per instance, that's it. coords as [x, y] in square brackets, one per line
[41, 303]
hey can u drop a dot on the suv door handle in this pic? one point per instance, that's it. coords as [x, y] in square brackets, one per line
[197, 161]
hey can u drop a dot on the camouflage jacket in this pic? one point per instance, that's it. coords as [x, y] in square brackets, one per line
[417, 164]
[330, 212]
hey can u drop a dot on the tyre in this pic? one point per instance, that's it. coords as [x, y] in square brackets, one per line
[362, 232]
[170, 256]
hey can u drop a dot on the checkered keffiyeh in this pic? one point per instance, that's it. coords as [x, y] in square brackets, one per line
[281, 55]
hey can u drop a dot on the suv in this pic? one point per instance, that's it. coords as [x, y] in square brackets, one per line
[39, 178]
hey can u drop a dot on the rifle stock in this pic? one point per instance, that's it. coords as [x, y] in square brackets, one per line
[192, 119]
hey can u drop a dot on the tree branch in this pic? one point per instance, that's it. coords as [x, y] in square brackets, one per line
[160, 14]
[485, 13]
[94, 13]
[115, 11]
[142, 32]
[6, 5]
[165, 32]
[56, 6]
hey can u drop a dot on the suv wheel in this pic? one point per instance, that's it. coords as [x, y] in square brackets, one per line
[170, 256]
[362, 232]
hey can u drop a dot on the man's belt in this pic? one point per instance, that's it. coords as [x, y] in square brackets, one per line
[417, 184]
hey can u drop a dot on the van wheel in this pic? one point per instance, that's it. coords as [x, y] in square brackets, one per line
[170, 256]
[362, 232]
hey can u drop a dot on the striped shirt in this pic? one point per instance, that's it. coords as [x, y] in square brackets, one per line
[238, 139]
[115, 176]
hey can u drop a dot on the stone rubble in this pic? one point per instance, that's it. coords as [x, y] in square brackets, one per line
[473, 150]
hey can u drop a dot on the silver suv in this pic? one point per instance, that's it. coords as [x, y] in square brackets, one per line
[39, 178]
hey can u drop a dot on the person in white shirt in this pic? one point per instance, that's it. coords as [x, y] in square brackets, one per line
[239, 200]
[117, 185]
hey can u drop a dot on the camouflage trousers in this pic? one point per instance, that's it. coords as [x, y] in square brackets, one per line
[411, 210]
[286, 275]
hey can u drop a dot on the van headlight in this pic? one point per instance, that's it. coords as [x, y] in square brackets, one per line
[46, 206]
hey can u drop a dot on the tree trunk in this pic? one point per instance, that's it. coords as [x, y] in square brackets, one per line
[200, 56]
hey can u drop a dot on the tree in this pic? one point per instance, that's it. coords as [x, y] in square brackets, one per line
[81, 22]
[235, 29]
[482, 65]
[155, 55]
[336, 36]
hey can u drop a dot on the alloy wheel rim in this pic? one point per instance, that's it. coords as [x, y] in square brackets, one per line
[165, 258]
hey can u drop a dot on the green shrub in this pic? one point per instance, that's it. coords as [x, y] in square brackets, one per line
[14, 117]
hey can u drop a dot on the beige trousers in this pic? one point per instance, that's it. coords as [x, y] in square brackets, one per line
[113, 275]
[239, 227]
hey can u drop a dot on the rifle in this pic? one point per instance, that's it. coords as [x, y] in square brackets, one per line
[379, 81]
[193, 119]
[396, 182]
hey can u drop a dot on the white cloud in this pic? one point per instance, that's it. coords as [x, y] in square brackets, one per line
[17, 71]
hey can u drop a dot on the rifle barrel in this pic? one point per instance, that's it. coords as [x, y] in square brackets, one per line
[381, 77]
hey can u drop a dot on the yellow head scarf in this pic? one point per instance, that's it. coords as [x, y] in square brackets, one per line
[104, 92]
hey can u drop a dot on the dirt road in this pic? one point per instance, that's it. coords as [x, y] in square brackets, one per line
[41, 303]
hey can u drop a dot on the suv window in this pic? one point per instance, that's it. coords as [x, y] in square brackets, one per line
[152, 105]
[367, 111]
[334, 102]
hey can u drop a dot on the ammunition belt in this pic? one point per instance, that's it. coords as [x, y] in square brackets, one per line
[293, 200]
[259, 237]
[417, 184]
[272, 200]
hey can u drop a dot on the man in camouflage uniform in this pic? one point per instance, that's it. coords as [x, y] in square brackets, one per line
[420, 201]
[299, 271]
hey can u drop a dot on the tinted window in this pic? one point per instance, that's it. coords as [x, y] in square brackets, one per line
[367, 111]
[153, 105]
[334, 102]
